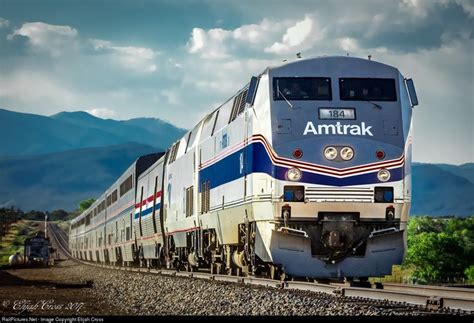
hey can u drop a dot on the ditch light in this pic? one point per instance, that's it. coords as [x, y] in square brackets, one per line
[293, 194]
[383, 195]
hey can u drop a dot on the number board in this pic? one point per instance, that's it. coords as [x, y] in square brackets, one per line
[337, 114]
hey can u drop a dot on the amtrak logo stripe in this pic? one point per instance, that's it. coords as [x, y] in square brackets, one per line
[389, 164]
[259, 161]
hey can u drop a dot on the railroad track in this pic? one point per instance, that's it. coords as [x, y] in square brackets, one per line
[59, 238]
[427, 297]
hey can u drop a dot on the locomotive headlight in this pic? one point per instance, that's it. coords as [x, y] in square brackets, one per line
[383, 175]
[293, 174]
[347, 153]
[330, 153]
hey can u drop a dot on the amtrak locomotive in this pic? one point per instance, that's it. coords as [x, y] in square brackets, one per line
[305, 172]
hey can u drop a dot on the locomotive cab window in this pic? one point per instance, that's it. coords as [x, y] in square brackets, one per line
[367, 89]
[302, 88]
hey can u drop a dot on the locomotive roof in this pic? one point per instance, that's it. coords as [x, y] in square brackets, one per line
[333, 60]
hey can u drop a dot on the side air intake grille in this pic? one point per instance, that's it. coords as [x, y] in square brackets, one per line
[239, 105]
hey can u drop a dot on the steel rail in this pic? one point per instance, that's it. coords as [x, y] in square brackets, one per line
[60, 245]
[439, 291]
[433, 297]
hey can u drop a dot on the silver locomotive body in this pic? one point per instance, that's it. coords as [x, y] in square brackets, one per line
[305, 171]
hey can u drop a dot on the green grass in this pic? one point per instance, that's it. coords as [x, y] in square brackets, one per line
[14, 240]
[400, 274]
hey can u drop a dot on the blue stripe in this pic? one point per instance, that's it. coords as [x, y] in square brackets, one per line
[147, 211]
[258, 161]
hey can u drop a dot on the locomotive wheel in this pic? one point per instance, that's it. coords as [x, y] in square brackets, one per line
[285, 277]
[216, 268]
[274, 272]
[190, 268]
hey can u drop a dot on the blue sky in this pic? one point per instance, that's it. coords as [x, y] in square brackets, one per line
[177, 60]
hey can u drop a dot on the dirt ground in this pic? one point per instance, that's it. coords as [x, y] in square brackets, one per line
[55, 291]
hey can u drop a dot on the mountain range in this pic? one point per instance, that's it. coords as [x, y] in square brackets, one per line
[61, 180]
[49, 163]
[29, 134]
[441, 189]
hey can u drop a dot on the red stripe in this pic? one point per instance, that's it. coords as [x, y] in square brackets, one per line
[336, 170]
[307, 166]
[149, 199]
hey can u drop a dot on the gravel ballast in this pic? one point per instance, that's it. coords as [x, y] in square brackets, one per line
[154, 294]
[118, 292]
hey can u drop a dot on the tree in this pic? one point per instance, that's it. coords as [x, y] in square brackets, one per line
[436, 256]
[469, 272]
[85, 204]
[440, 249]
[57, 215]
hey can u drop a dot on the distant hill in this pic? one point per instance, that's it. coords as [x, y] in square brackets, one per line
[465, 170]
[61, 180]
[29, 134]
[149, 131]
[440, 189]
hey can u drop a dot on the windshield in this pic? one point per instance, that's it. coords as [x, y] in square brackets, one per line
[367, 89]
[302, 88]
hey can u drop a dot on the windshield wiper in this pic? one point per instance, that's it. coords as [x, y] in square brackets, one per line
[375, 104]
[291, 105]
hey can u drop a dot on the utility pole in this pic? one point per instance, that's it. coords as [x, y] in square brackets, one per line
[1, 226]
[4, 222]
[46, 225]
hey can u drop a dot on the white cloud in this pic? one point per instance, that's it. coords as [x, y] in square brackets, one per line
[302, 35]
[260, 33]
[218, 43]
[103, 113]
[4, 23]
[57, 40]
[209, 44]
[136, 58]
[52, 39]
[349, 44]
[140, 59]
[196, 43]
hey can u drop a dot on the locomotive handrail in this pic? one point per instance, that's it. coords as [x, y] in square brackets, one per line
[294, 231]
[382, 231]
